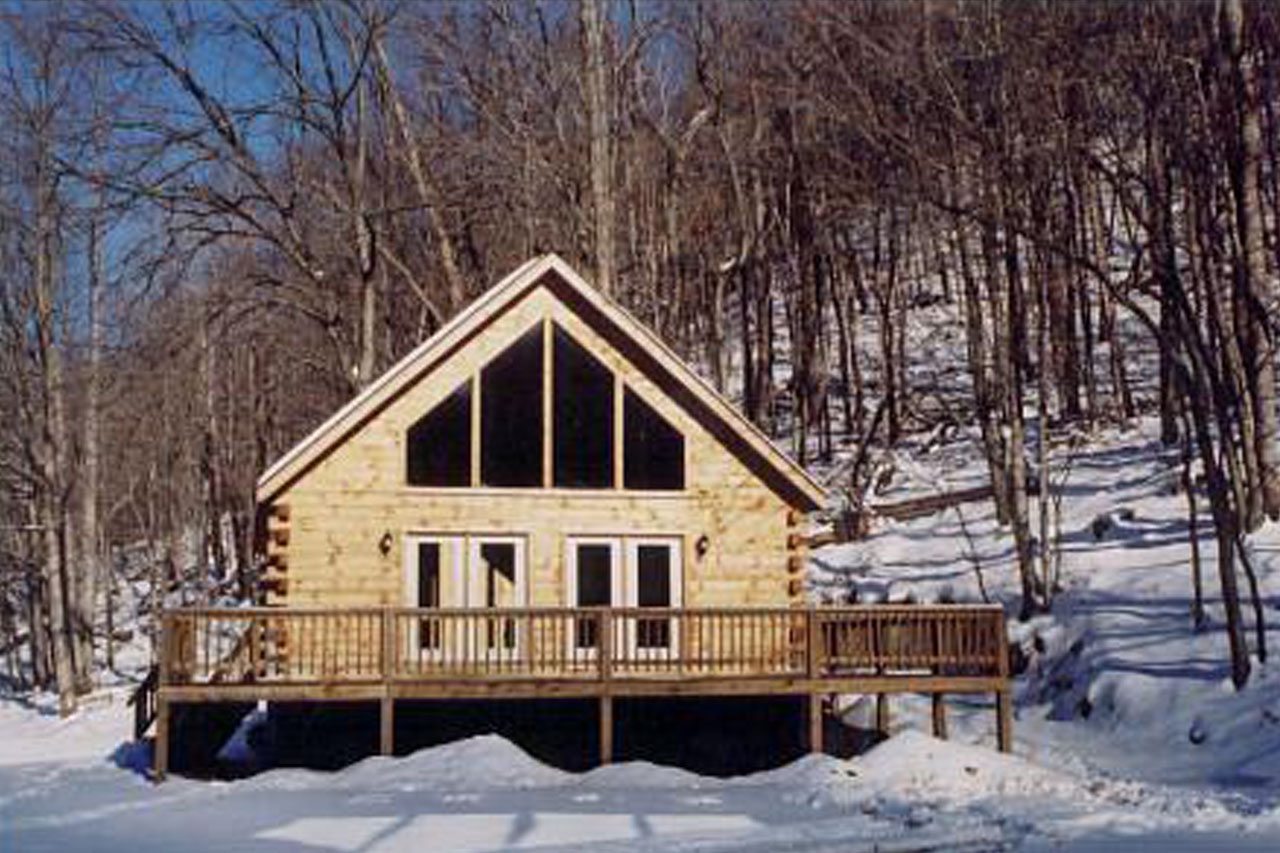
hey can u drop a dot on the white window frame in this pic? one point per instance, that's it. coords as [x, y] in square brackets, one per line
[675, 546]
[453, 544]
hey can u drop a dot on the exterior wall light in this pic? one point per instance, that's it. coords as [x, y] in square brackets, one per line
[385, 543]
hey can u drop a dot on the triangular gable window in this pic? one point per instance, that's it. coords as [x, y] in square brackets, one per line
[653, 450]
[439, 444]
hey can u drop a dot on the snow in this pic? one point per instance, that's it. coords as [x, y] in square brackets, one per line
[481, 794]
[1128, 733]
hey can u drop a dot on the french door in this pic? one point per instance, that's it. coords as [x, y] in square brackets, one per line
[484, 573]
[595, 580]
[653, 574]
[631, 572]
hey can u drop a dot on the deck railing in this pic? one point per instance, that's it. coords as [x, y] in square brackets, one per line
[288, 646]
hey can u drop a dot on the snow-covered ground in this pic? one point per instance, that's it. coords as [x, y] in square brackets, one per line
[910, 793]
[1128, 732]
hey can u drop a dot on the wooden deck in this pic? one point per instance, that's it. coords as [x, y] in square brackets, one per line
[388, 654]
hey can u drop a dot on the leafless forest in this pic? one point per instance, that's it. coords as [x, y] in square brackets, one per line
[219, 221]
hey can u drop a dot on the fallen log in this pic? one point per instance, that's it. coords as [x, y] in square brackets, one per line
[931, 504]
[855, 525]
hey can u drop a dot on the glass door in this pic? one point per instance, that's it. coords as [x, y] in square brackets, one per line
[434, 580]
[654, 581]
[496, 580]
[595, 581]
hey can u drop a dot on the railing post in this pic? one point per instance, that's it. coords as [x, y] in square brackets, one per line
[255, 647]
[814, 641]
[1004, 703]
[604, 654]
[164, 645]
[604, 660]
[388, 667]
[160, 750]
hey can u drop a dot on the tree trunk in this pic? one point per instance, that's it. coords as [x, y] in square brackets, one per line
[52, 459]
[1256, 296]
[90, 546]
[595, 88]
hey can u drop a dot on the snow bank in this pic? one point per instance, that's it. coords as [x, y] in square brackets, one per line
[913, 765]
[32, 731]
[483, 763]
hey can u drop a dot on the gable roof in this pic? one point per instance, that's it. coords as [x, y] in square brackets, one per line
[626, 334]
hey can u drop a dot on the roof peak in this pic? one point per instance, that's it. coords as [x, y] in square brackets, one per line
[734, 428]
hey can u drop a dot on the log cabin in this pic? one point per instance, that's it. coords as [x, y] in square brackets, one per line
[543, 449]
[544, 500]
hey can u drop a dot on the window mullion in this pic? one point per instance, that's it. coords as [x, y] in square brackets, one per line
[618, 468]
[548, 404]
[475, 429]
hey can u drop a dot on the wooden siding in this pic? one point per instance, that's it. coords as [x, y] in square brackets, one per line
[341, 509]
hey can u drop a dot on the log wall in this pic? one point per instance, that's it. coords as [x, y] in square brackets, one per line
[341, 509]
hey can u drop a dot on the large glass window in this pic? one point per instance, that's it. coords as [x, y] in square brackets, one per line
[438, 446]
[511, 415]
[653, 450]
[514, 407]
[583, 417]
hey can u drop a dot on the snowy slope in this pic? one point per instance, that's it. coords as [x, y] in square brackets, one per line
[1118, 680]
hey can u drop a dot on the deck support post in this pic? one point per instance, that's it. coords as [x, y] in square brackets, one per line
[939, 716]
[387, 726]
[387, 705]
[1004, 720]
[160, 750]
[816, 744]
[606, 729]
[882, 714]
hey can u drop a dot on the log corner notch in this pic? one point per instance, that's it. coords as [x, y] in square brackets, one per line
[797, 556]
[274, 582]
